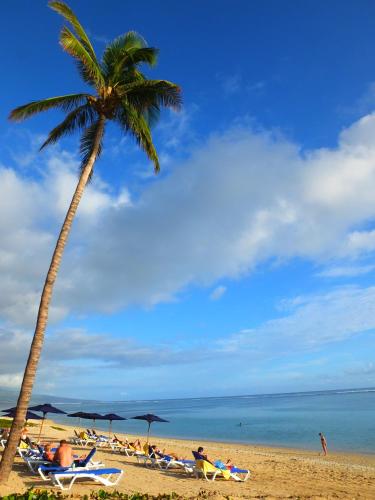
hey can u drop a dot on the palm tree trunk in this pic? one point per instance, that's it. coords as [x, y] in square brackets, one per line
[37, 343]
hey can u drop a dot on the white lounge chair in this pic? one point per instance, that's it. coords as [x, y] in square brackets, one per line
[187, 465]
[102, 476]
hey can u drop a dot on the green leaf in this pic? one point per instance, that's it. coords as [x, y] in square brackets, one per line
[65, 102]
[135, 123]
[124, 52]
[69, 15]
[79, 118]
[87, 144]
[76, 49]
[143, 94]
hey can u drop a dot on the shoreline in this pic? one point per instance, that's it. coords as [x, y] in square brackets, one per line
[276, 446]
[276, 472]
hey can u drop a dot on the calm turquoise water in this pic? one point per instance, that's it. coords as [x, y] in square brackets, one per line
[347, 418]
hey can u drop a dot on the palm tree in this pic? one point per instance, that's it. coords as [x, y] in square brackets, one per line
[121, 93]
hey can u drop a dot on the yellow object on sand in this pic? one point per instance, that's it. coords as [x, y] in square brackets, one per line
[207, 468]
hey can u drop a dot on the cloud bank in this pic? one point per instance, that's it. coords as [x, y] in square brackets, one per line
[242, 197]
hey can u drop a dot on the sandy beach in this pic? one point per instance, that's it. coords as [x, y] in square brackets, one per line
[276, 472]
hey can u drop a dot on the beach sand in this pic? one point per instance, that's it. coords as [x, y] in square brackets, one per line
[276, 472]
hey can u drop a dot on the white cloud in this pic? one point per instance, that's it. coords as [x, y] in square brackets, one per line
[239, 199]
[12, 381]
[309, 323]
[218, 292]
[345, 271]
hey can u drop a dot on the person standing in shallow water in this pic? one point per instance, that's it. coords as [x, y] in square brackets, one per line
[323, 442]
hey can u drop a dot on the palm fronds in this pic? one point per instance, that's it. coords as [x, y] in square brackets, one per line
[69, 15]
[133, 122]
[147, 93]
[87, 145]
[64, 102]
[122, 92]
[79, 118]
[73, 46]
[126, 52]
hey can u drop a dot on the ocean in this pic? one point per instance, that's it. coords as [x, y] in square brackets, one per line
[345, 417]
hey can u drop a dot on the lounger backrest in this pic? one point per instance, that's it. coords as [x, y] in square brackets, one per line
[84, 462]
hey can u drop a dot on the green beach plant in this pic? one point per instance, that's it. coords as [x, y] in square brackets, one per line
[120, 93]
[36, 494]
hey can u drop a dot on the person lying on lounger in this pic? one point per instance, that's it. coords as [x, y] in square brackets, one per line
[135, 444]
[221, 465]
[155, 452]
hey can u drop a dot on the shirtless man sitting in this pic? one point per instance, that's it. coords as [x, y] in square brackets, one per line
[64, 454]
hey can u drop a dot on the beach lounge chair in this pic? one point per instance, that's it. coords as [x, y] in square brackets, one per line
[46, 469]
[34, 459]
[239, 474]
[102, 476]
[85, 440]
[75, 439]
[146, 456]
[208, 470]
[123, 447]
[187, 465]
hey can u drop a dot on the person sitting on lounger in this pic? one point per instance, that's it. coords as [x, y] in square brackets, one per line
[64, 454]
[48, 453]
[25, 438]
[199, 455]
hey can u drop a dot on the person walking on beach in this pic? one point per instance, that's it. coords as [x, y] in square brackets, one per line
[323, 442]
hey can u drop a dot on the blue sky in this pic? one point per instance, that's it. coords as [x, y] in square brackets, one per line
[247, 265]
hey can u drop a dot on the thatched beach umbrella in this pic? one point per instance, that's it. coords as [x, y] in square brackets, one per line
[46, 408]
[149, 418]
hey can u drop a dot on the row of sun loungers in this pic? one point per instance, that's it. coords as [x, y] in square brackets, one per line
[65, 477]
[199, 468]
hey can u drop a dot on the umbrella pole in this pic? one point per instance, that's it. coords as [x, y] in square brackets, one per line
[41, 426]
[110, 428]
[148, 431]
